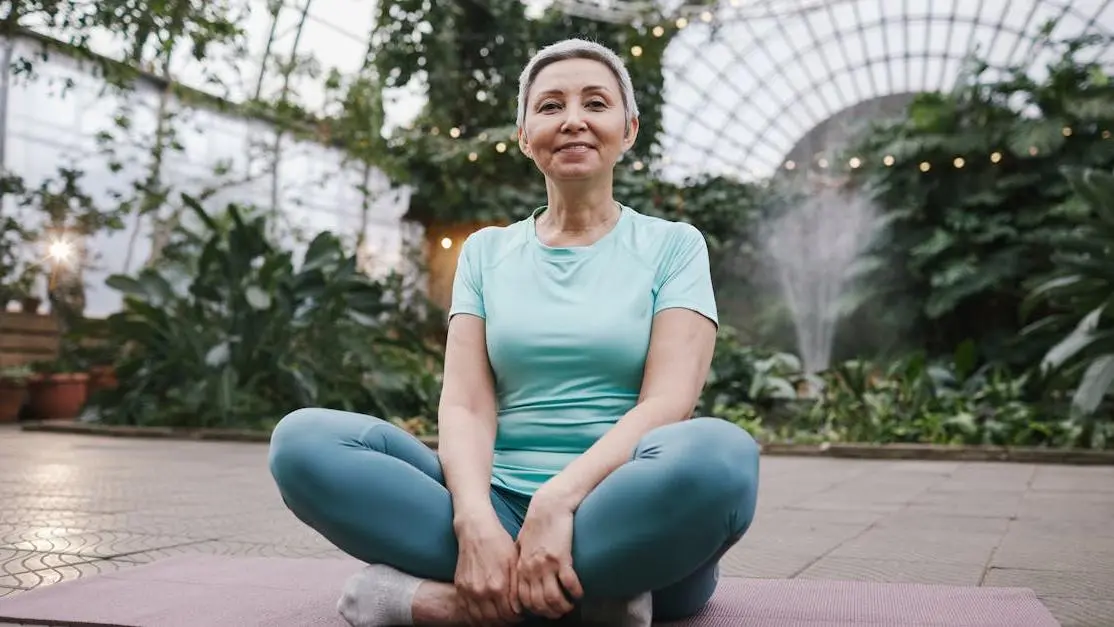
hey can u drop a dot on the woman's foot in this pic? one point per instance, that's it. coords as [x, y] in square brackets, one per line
[637, 612]
[379, 595]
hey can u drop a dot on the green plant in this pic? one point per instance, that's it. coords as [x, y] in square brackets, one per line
[234, 333]
[983, 215]
[1078, 295]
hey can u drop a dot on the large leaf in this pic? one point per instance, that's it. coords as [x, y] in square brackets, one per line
[1097, 382]
[1070, 346]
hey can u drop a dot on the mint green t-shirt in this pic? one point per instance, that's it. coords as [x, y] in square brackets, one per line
[568, 330]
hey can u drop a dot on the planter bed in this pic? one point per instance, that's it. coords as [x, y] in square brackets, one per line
[939, 452]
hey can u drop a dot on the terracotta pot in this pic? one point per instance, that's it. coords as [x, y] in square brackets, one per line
[30, 304]
[102, 378]
[12, 393]
[58, 396]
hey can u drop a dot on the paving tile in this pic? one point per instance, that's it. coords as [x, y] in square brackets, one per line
[7, 592]
[1033, 552]
[226, 547]
[894, 571]
[88, 543]
[905, 545]
[1087, 480]
[755, 560]
[49, 576]
[13, 562]
[1075, 583]
[984, 504]
[1073, 612]
[915, 521]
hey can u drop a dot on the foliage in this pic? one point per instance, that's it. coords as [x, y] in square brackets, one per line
[1079, 293]
[236, 334]
[962, 236]
[913, 400]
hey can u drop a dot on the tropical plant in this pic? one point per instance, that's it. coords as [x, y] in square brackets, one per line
[1077, 297]
[970, 186]
[236, 334]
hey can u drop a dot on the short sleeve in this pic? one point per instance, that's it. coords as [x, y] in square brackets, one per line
[685, 277]
[467, 295]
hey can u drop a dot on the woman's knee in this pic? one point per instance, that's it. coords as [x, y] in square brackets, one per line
[720, 460]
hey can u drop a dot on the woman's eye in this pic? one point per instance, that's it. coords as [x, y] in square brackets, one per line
[548, 106]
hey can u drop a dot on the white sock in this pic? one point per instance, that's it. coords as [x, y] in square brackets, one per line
[378, 596]
[636, 612]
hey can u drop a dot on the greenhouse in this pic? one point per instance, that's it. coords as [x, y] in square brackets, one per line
[215, 213]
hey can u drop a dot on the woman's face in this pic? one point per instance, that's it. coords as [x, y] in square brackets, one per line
[575, 123]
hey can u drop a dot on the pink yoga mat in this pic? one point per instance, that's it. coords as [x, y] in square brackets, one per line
[218, 591]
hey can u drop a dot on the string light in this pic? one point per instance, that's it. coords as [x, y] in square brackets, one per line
[855, 162]
[706, 16]
[790, 165]
[500, 147]
[446, 242]
[454, 132]
[925, 166]
[636, 51]
[658, 31]
[959, 162]
[682, 22]
[888, 160]
[995, 157]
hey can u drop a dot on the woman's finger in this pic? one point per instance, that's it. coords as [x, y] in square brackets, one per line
[555, 598]
[570, 582]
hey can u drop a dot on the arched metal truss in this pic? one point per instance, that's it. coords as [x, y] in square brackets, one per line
[747, 81]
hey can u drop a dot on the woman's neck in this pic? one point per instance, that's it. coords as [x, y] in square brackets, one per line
[579, 209]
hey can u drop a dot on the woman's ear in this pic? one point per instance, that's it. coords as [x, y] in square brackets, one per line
[631, 134]
[524, 142]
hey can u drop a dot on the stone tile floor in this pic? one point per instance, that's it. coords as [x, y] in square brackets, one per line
[73, 506]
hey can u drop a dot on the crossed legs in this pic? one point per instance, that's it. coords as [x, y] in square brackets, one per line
[658, 523]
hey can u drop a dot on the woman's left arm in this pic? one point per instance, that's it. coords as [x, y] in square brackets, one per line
[681, 345]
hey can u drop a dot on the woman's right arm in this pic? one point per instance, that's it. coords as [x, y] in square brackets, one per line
[466, 422]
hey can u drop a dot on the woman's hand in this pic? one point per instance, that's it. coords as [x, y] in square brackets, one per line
[485, 579]
[545, 572]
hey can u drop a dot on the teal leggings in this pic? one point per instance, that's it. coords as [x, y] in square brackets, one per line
[660, 522]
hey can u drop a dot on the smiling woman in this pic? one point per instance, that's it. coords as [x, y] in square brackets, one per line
[570, 474]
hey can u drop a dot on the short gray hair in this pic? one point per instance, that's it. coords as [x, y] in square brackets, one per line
[576, 49]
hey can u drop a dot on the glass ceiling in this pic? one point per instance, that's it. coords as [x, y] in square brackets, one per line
[745, 79]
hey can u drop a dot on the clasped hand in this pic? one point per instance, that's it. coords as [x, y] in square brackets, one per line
[499, 579]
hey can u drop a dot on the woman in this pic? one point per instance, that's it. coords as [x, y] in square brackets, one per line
[570, 479]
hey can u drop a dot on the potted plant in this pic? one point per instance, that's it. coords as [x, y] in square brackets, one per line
[13, 391]
[58, 389]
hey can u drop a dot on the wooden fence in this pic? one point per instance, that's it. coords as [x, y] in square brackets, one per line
[27, 337]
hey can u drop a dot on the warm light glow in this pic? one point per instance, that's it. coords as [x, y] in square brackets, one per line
[995, 157]
[706, 16]
[682, 22]
[658, 31]
[637, 165]
[1067, 131]
[454, 132]
[446, 242]
[473, 156]
[500, 147]
[789, 165]
[888, 160]
[822, 162]
[855, 162]
[636, 51]
[1033, 151]
[959, 162]
[925, 167]
[60, 251]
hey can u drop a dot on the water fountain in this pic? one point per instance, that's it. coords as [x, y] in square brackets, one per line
[812, 247]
